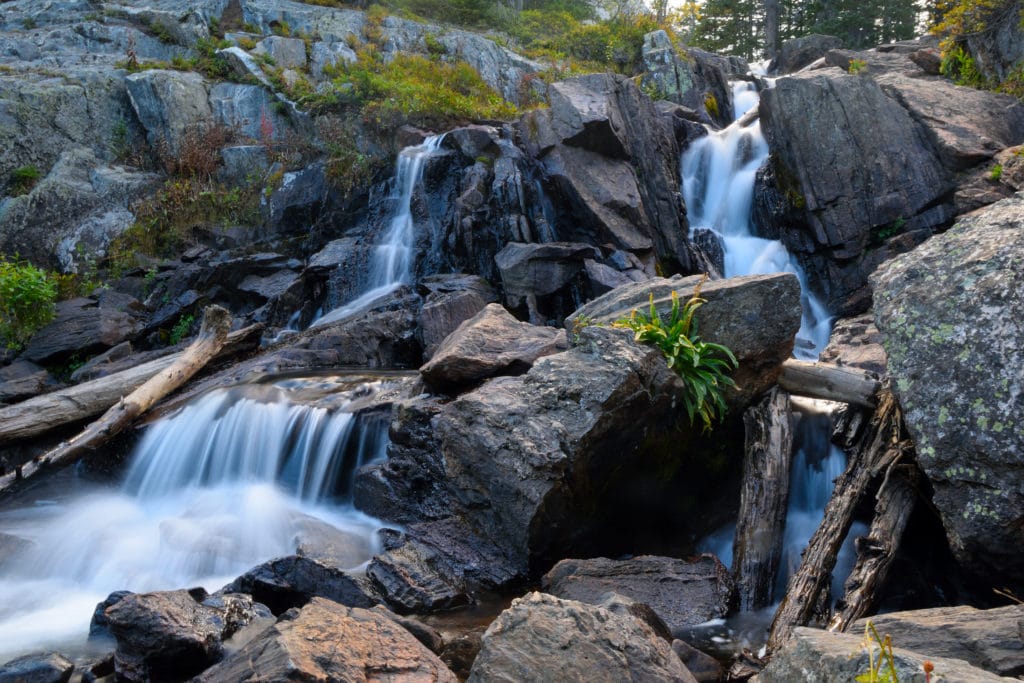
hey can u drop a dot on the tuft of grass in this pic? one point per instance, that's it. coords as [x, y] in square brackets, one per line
[23, 179]
[997, 172]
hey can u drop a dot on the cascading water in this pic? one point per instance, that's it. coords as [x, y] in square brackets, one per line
[393, 258]
[718, 174]
[227, 482]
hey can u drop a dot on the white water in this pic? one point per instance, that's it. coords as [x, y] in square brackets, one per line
[718, 185]
[393, 258]
[223, 485]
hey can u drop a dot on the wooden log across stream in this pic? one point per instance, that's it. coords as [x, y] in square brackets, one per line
[760, 525]
[211, 339]
[830, 382]
[880, 446]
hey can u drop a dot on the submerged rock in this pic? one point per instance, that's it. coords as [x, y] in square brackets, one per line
[950, 312]
[541, 637]
[325, 641]
[683, 594]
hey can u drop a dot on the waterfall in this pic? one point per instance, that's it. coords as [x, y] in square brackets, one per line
[718, 174]
[229, 481]
[393, 258]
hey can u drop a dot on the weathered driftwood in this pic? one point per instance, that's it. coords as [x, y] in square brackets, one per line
[42, 414]
[881, 445]
[877, 550]
[211, 339]
[757, 548]
[830, 382]
[749, 117]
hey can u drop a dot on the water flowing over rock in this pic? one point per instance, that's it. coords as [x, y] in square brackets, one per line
[684, 594]
[951, 313]
[540, 634]
[326, 641]
[488, 344]
[856, 163]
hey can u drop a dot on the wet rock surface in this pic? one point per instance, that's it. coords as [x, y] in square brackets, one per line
[950, 312]
[44, 668]
[682, 593]
[540, 634]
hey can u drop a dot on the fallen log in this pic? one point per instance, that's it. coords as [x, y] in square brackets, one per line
[760, 526]
[881, 445]
[877, 550]
[211, 339]
[830, 382]
[47, 412]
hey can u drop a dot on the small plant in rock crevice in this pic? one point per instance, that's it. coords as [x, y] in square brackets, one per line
[23, 179]
[856, 66]
[703, 366]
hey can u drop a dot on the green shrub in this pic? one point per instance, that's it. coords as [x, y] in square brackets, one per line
[703, 366]
[23, 179]
[856, 66]
[181, 329]
[27, 296]
[997, 172]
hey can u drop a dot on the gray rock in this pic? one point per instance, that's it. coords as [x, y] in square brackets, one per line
[247, 109]
[24, 379]
[814, 655]
[174, 633]
[797, 53]
[80, 328]
[325, 55]
[602, 278]
[243, 64]
[382, 337]
[693, 80]
[298, 200]
[529, 271]
[988, 639]
[683, 594]
[704, 667]
[450, 300]
[490, 343]
[43, 668]
[615, 159]
[287, 53]
[1012, 163]
[540, 635]
[879, 169]
[329, 545]
[325, 641]
[856, 343]
[243, 164]
[411, 581]
[427, 635]
[755, 316]
[169, 104]
[292, 581]
[950, 312]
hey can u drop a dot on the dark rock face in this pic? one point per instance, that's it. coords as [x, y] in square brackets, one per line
[756, 316]
[80, 328]
[825, 656]
[703, 666]
[988, 639]
[951, 313]
[294, 580]
[615, 162]
[532, 271]
[490, 343]
[327, 641]
[450, 300]
[24, 379]
[797, 53]
[682, 593]
[176, 633]
[859, 165]
[47, 668]
[540, 635]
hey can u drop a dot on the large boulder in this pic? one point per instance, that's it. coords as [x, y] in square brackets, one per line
[80, 328]
[756, 316]
[684, 594]
[174, 633]
[170, 105]
[813, 655]
[541, 637]
[688, 79]
[858, 166]
[951, 313]
[490, 343]
[799, 52]
[615, 161]
[989, 639]
[325, 641]
[449, 301]
[43, 668]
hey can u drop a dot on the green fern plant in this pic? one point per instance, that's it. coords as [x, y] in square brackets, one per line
[703, 366]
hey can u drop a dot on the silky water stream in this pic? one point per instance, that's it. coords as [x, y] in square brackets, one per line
[718, 174]
[227, 482]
